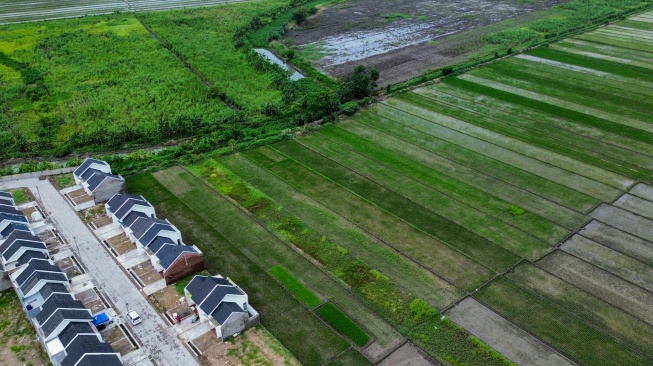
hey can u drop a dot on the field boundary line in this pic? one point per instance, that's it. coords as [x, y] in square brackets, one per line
[375, 205]
[428, 186]
[494, 144]
[376, 182]
[589, 323]
[609, 303]
[480, 172]
[410, 258]
[565, 354]
[538, 123]
[309, 259]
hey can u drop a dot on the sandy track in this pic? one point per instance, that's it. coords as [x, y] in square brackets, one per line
[504, 336]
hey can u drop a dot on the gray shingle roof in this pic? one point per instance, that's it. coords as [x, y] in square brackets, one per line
[97, 179]
[62, 315]
[88, 350]
[10, 210]
[88, 174]
[18, 244]
[119, 199]
[224, 310]
[12, 218]
[30, 255]
[133, 216]
[159, 242]
[42, 276]
[169, 253]
[87, 163]
[52, 288]
[141, 225]
[127, 206]
[74, 329]
[154, 231]
[22, 235]
[12, 228]
[7, 201]
[57, 301]
[6, 195]
[34, 266]
[208, 292]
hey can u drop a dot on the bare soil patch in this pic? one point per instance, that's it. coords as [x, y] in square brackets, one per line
[620, 241]
[403, 38]
[121, 244]
[256, 346]
[625, 221]
[146, 273]
[79, 196]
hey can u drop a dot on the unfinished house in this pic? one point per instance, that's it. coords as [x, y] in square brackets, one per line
[222, 303]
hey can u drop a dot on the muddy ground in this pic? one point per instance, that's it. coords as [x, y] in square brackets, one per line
[403, 38]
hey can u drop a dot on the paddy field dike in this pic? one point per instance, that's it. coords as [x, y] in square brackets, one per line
[502, 215]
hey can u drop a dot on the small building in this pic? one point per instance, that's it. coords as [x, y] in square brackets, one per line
[97, 180]
[57, 313]
[124, 209]
[222, 303]
[88, 168]
[56, 347]
[146, 229]
[12, 210]
[6, 196]
[174, 261]
[31, 278]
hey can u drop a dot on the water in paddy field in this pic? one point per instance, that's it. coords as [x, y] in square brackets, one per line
[275, 60]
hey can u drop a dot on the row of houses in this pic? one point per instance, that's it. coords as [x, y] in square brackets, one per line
[63, 324]
[216, 299]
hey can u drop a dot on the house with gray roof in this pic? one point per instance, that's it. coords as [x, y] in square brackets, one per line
[6, 196]
[19, 248]
[8, 219]
[30, 279]
[124, 209]
[13, 227]
[146, 229]
[97, 180]
[87, 350]
[57, 313]
[222, 303]
[12, 210]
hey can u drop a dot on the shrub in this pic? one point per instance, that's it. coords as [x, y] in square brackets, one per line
[516, 210]
[447, 70]
[420, 308]
[349, 108]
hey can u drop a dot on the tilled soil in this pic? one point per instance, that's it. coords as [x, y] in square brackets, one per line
[402, 38]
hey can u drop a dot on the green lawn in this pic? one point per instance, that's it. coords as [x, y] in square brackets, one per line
[293, 285]
[343, 324]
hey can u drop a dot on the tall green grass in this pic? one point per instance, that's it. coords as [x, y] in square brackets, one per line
[340, 321]
[293, 285]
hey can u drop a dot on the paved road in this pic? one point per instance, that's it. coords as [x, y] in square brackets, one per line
[158, 338]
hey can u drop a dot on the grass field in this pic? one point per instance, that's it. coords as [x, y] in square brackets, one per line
[470, 180]
[343, 324]
[293, 285]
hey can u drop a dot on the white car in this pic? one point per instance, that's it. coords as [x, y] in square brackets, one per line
[133, 316]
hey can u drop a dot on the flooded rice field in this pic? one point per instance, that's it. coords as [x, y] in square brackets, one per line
[402, 38]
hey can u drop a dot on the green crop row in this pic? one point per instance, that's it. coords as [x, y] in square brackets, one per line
[293, 285]
[376, 289]
[340, 321]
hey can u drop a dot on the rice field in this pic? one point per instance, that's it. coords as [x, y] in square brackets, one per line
[504, 215]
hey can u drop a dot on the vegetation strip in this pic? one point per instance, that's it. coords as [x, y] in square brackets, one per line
[279, 312]
[297, 288]
[433, 254]
[341, 322]
[406, 272]
[510, 237]
[401, 309]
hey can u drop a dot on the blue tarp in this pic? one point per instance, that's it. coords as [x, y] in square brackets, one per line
[100, 319]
